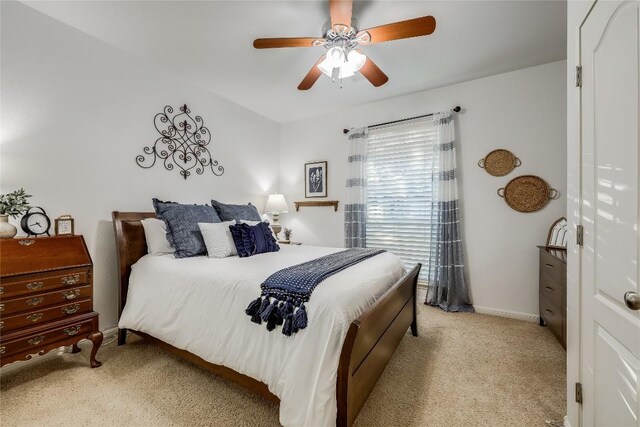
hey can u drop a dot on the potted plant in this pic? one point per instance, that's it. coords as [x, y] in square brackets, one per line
[12, 205]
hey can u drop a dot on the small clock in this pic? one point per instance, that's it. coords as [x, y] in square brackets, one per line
[64, 225]
[36, 222]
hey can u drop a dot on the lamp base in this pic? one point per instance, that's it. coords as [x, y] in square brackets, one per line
[276, 229]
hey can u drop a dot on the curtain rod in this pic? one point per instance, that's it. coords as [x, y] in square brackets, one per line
[455, 109]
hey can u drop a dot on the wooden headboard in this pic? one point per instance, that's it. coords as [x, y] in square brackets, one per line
[131, 245]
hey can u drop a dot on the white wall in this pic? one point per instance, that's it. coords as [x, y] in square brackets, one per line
[523, 111]
[76, 112]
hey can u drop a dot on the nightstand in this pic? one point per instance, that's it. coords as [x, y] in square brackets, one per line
[46, 297]
[289, 242]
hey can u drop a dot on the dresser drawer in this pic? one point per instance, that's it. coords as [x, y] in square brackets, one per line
[35, 283]
[553, 291]
[44, 315]
[32, 302]
[552, 267]
[34, 342]
[553, 317]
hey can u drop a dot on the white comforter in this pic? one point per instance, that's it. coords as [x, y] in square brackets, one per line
[197, 304]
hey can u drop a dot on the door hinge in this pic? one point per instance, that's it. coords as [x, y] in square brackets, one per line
[579, 393]
[579, 235]
[578, 76]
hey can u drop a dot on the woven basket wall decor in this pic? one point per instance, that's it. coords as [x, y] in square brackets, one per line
[499, 162]
[527, 193]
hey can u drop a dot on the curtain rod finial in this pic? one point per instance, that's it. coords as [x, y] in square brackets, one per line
[345, 131]
[457, 108]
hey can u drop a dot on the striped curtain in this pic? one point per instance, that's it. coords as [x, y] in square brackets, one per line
[445, 268]
[355, 208]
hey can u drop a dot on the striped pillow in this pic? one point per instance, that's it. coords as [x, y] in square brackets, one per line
[218, 240]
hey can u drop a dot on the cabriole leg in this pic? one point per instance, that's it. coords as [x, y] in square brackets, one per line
[96, 339]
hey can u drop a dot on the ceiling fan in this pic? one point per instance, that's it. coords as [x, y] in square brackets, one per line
[341, 40]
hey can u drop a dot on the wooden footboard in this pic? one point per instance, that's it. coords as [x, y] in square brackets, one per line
[370, 342]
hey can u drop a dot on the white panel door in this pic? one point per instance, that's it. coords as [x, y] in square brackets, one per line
[609, 43]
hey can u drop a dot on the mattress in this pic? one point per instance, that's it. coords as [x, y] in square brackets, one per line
[197, 304]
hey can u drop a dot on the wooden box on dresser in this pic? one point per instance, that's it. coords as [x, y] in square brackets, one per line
[46, 297]
[553, 292]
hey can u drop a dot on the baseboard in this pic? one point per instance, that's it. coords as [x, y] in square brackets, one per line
[110, 335]
[422, 296]
[506, 313]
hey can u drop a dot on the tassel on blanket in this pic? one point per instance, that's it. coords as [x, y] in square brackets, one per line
[266, 313]
[277, 313]
[253, 310]
[271, 322]
[300, 318]
[287, 327]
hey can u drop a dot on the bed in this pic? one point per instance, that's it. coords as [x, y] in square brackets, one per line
[322, 375]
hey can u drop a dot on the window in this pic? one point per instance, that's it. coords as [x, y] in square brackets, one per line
[400, 190]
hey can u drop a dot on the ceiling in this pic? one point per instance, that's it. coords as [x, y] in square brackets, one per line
[210, 43]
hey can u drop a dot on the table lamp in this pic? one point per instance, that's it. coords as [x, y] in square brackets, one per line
[276, 204]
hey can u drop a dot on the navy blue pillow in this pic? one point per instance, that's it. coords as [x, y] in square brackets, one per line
[182, 221]
[253, 239]
[236, 212]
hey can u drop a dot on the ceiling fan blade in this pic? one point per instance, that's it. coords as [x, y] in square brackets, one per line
[402, 30]
[340, 11]
[374, 74]
[284, 42]
[312, 76]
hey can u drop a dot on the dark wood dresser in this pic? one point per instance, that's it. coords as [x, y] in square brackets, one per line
[553, 292]
[46, 297]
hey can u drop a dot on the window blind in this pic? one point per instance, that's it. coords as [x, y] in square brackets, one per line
[400, 191]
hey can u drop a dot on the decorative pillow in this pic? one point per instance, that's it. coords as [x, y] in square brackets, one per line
[242, 221]
[182, 222]
[253, 239]
[236, 212]
[218, 239]
[155, 232]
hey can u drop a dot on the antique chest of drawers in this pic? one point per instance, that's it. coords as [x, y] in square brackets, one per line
[553, 291]
[46, 297]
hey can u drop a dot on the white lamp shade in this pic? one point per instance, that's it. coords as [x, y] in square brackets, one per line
[276, 204]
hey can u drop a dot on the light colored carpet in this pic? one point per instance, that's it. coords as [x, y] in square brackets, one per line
[463, 370]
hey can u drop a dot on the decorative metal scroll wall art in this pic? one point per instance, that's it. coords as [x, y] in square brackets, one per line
[183, 144]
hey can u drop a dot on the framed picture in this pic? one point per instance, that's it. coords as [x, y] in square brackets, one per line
[64, 225]
[315, 179]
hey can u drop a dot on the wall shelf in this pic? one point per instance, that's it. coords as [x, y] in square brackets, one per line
[333, 203]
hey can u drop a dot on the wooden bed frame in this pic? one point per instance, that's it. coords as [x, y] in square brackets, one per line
[370, 342]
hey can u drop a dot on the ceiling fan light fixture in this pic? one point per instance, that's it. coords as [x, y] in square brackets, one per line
[357, 59]
[335, 56]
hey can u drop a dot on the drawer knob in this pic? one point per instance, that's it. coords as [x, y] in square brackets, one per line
[72, 330]
[35, 301]
[1, 307]
[35, 317]
[1, 290]
[71, 280]
[71, 309]
[1, 324]
[34, 285]
[69, 295]
[3, 349]
[36, 340]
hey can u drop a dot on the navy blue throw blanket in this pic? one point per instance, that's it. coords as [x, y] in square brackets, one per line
[285, 292]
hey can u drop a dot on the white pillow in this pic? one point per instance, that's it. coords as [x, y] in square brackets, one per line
[155, 232]
[218, 239]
